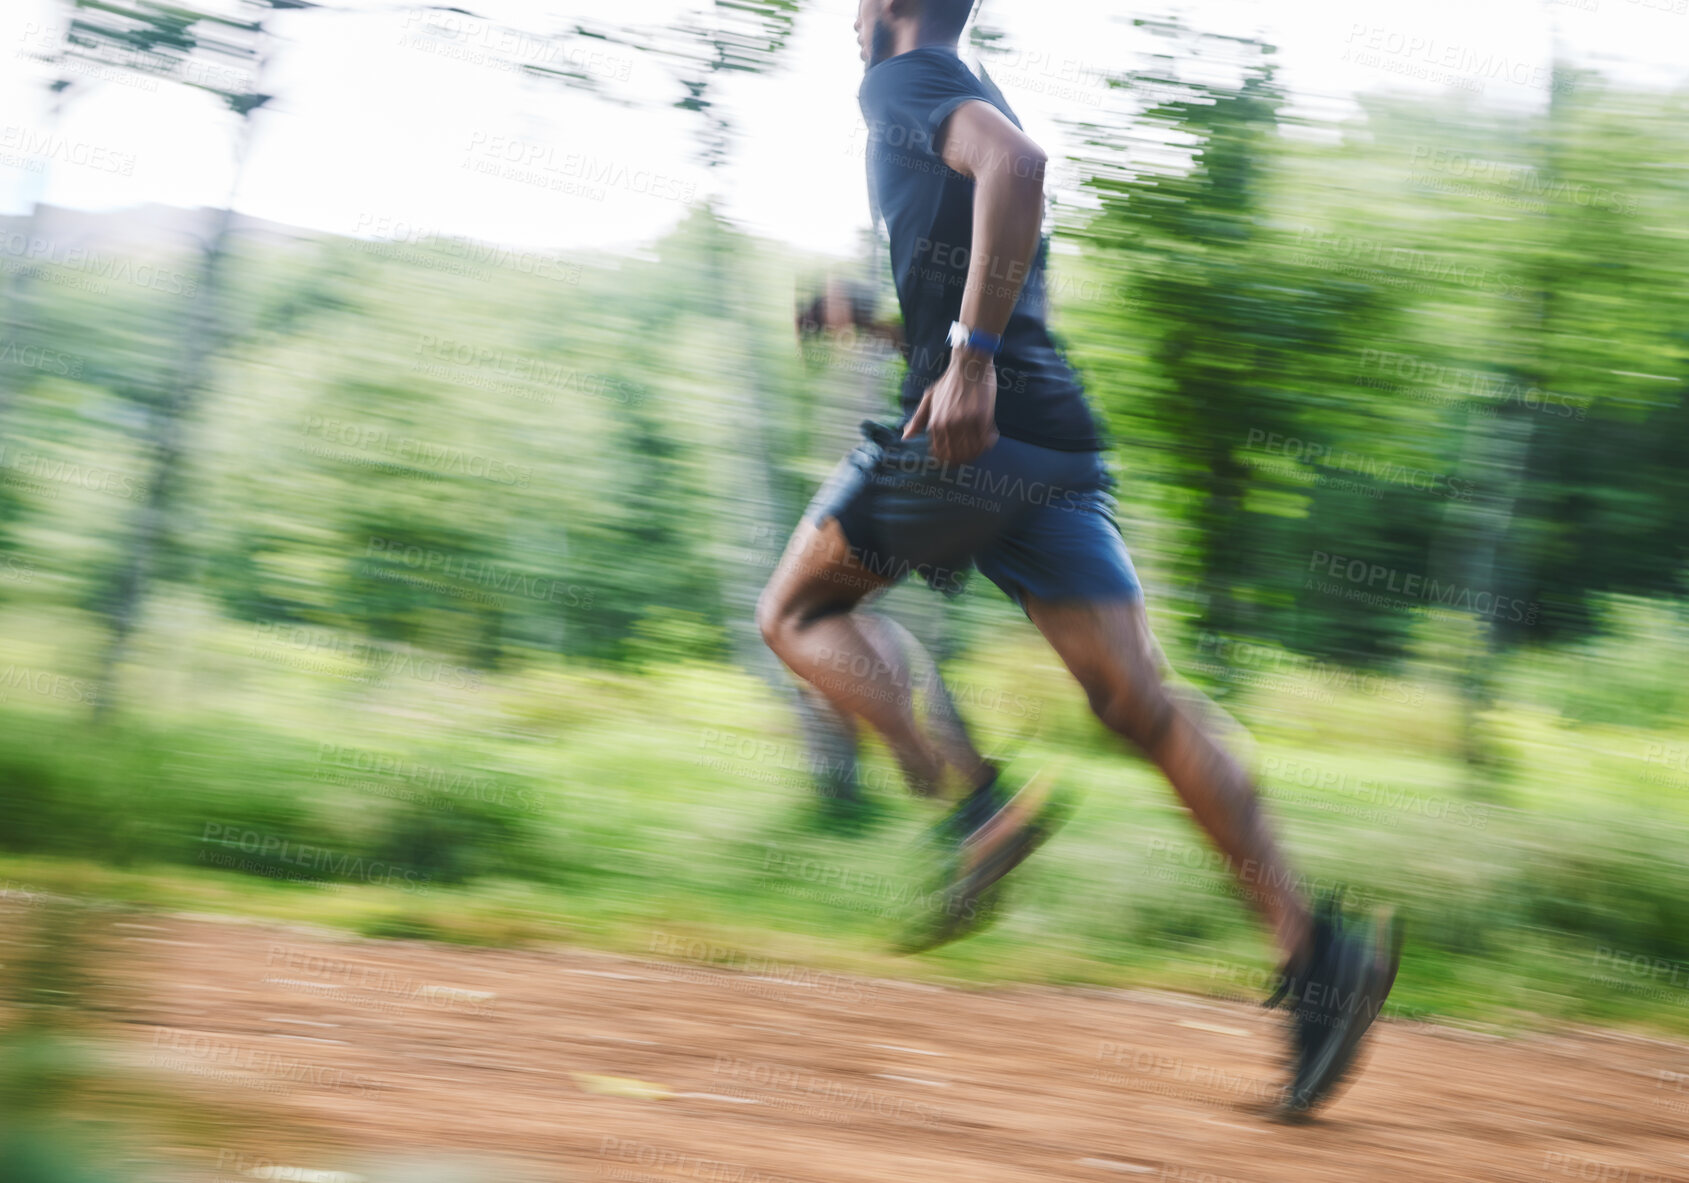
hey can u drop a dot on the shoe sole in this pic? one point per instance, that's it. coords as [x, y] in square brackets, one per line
[1297, 1107]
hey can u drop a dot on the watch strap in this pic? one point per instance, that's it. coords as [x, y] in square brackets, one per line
[976, 339]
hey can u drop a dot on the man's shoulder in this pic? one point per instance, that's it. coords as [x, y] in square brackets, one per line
[926, 57]
[916, 68]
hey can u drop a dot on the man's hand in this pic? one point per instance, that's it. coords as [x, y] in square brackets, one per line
[842, 309]
[959, 411]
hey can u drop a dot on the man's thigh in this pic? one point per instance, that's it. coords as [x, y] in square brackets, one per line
[818, 573]
[904, 513]
[1105, 643]
[1065, 548]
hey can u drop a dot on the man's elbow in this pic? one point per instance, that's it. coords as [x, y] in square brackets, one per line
[1020, 173]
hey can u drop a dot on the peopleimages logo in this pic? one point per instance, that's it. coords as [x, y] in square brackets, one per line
[47, 684]
[1653, 969]
[1492, 392]
[971, 482]
[445, 570]
[1370, 791]
[514, 158]
[34, 357]
[1318, 456]
[358, 659]
[759, 975]
[436, 459]
[272, 848]
[50, 146]
[1526, 179]
[1408, 262]
[452, 784]
[89, 266]
[1666, 764]
[645, 1161]
[36, 466]
[516, 373]
[1372, 580]
[225, 1061]
[1367, 43]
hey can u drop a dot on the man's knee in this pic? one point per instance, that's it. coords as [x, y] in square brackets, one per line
[784, 611]
[773, 616]
[1137, 707]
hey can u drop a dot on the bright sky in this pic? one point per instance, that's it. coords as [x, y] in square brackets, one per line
[383, 128]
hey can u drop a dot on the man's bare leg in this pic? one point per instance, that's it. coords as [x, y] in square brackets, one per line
[831, 739]
[1109, 648]
[862, 663]
[910, 667]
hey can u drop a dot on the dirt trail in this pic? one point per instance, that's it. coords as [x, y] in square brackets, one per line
[563, 1065]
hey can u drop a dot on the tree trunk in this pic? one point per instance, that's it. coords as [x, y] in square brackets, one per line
[200, 344]
[152, 522]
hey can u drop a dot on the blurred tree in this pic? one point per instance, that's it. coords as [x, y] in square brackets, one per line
[1407, 375]
[1185, 198]
[173, 41]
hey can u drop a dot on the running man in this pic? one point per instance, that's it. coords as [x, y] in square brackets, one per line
[998, 465]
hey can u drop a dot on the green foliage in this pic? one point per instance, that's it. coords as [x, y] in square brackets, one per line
[1303, 347]
[219, 794]
[674, 801]
[459, 571]
[1421, 346]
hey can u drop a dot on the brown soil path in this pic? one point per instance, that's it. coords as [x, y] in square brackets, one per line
[564, 1065]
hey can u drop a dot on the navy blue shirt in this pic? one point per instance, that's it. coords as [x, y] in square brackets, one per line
[928, 212]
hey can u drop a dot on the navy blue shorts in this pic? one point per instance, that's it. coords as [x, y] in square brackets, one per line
[1035, 521]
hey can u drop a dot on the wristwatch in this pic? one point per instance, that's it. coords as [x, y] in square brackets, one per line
[976, 339]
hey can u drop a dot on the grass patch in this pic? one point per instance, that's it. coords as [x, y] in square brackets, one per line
[625, 812]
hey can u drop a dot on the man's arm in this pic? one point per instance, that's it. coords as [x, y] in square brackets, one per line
[1008, 174]
[846, 304]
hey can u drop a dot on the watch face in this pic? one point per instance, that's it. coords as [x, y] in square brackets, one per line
[958, 334]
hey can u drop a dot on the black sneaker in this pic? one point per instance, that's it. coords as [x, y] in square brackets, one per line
[970, 813]
[1335, 994]
[982, 839]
